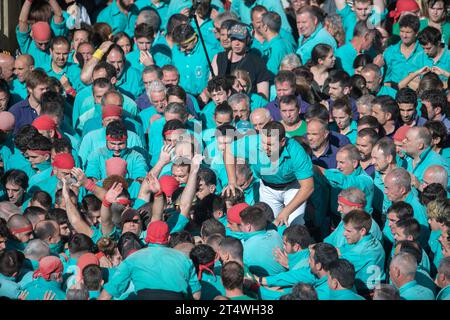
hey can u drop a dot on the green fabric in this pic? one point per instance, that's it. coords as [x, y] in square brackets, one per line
[413, 291]
[344, 294]
[118, 20]
[345, 56]
[397, 65]
[337, 239]
[39, 286]
[320, 35]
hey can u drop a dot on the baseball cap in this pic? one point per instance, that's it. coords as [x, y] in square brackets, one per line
[239, 31]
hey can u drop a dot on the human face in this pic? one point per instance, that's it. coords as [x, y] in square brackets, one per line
[407, 35]
[242, 182]
[399, 234]
[94, 217]
[86, 51]
[60, 54]
[430, 50]
[391, 189]
[411, 144]
[133, 226]
[434, 225]
[431, 114]
[99, 93]
[2, 244]
[21, 69]
[379, 160]
[364, 110]
[36, 158]
[343, 209]
[62, 174]
[170, 78]
[290, 113]
[272, 145]
[117, 61]
[284, 89]
[24, 237]
[241, 86]
[241, 110]
[259, 121]
[171, 139]
[306, 24]
[4, 99]
[257, 21]
[7, 69]
[222, 141]
[362, 10]
[407, 112]
[203, 190]
[351, 234]
[125, 44]
[379, 114]
[37, 92]
[341, 118]
[335, 91]
[238, 46]
[224, 38]
[344, 164]
[180, 173]
[445, 243]
[316, 135]
[399, 148]
[79, 36]
[222, 118]
[188, 47]
[144, 44]
[148, 77]
[116, 146]
[297, 4]
[159, 100]
[373, 81]
[392, 220]
[15, 193]
[288, 247]
[64, 230]
[219, 96]
[437, 12]
[364, 147]
[329, 60]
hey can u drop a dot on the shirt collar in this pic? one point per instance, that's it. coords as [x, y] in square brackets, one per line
[408, 285]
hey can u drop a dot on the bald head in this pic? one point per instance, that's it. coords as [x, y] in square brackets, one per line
[436, 174]
[417, 140]
[259, 118]
[20, 227]
[6, 67]
[36, 249]
[8, 209]
[7, 121]
[22, 66]
[48, 231]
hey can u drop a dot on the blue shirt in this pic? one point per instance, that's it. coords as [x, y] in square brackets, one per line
[23, 113]
[274, 107]
[413, 291]
[326, 160]
[320, 35]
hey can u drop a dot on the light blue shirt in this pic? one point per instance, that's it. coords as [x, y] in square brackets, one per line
[320, 35]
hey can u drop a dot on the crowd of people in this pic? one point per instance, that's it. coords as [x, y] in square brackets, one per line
[226, 150]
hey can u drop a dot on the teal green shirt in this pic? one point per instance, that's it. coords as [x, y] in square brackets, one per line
[387, 91]
[358, 179]
[193, 67]
[276, 50]
[422, 60]
[349, 19]
[211, 286]
[435, 247]
[145, 116]
[337, 239]
[258, 252]
[162, 9]
[38, 287]
[344, 294]
[118, 20]
[257, 101]
[293, 163]
[298, 259]
[96, 164]
[130, 82]
[420, 214]
[397, 65]
[72, 72]
[345, 56]
[207, 29]
[352, 132]
[428, 158]
[444, 294]
[413, 291]
[155, 268]
[207, 115]
[8, 287]
[320, 35]
[381, 202]
[159, 59]
[48, 185]
[19, 88]
[367, 256]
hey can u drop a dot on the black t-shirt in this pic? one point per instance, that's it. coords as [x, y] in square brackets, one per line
[252, 63]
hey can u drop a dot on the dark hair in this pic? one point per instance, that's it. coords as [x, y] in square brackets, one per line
[362, 60]
[410, 228]
[110, 70]
[144, 30]
[173, 124]
[255, 217]
[437, 99]
[317, 110]
[58, 40]
[301, 291]
[174, 21]
[17, 177]
[406, 96]
[387, 104]
[429, 35]
[274, 129]
[128, 243]
[371, 121]
[411, 247]
[39, 142]
[116, 129]
[180, 237]
[370, 133]
[298, 234]
[4, 231]
[25, 134]
[43, 198]
[119, 35]
[343, 271]
[58, 215]
[431, 192]
[212, 226]
[207, 176]
[182, 33]
[11, 262]
[92, 277]
[358, 219]
[202, 254]
[177, 91]
[438, 130]
[410, 21]
[320, 51]
[403, 210]
[341, 77]
[232, 275]
[90, 203]
[358, 86]
[219, 83]
[224, 108]
[324, 253]
[80, 242]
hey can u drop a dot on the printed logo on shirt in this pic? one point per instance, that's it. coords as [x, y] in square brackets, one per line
[198, 71]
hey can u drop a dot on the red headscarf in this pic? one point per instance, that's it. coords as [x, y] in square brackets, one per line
[111, 110]
[403, 6]
[47, 266]
[63, 161]
[46, 123]
[233, 214]
[157, 232]
[168, 185]
[41, 31]
[401, 132]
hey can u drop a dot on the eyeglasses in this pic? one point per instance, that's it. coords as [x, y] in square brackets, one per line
[134, 221]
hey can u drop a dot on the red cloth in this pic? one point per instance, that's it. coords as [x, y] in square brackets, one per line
[401, 132]
[47, 266]
[116, 166]
[403, 6]
[41, 31]
[86, 260]
[233, 214]
[111, 110]
[157, 232]
[44, 122]
[63, 161]
[168, 185]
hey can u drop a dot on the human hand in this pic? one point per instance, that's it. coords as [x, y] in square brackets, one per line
[78, 174]
[146, 58]
[282, 219]
[113, 193]
[166, 153]
[281, 257]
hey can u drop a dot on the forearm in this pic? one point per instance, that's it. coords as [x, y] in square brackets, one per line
[156, 170]
[57, 11]
[88, 69]
[379, 5]
[230, 165]
[23, 17]
[106, 219]
[76, 220]
[406, 81]
[189, 193]
[157, 208]
[263, 88]
[340, 4]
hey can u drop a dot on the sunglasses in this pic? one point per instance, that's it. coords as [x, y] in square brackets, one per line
[134, 221]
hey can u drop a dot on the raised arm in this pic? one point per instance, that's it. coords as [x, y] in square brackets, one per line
[379, 6]
[57, 11]
[340, 4]
[74, 215]
[89, 184]
[23, 17]
[105, 211]
[164, 159]
[88, 68]
[189, 191]
[230, 166]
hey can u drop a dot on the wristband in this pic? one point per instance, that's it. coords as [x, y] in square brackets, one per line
[99, 255]
[71, 92]
[98, 54]
[158, 194]
[89, 185]
[106, 203]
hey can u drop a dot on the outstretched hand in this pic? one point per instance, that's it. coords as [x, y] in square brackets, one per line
[113, 193]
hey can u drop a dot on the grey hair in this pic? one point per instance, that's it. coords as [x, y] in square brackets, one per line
[237, 98]
[244, 170]
[153, 69]
[366, 100]
[386, 292]
[352, 152]
[291, 60]
[423, 134]
[362, 28]
[439, 174]
[77, 292]
[401, 177]
[110, 92]
[156, 86]
[7, 210]
[406, 263]
[354, 195]
[178, 108]
[272, 20]
[152, 18]
[36, 249]
[224, 16]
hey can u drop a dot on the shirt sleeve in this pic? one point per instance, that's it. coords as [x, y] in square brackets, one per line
[59, 29]
[194, 284]
[24, 39]
[117, 285]
[291, 277]
[302, 163]
[93, 166]
[140, 167]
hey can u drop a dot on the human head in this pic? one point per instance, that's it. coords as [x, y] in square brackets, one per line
[364, 105]
[350, 199]
[206, 183]
[116, 57]
[339, 84]
[399, 210]
[386, 292]
[38, 150]
[341, 274]
[37, 83]
[185, 37]
[320, 257]
[285, 83]
[273, 138]
[372, 74]
[240, 38]
[270, 24]
[296, 238]
[347, 159]
[397, 184]
[342, 113]
[365, 141]
[15, 182]
[385, 109]
[418, 139]
[402, 269]
[232, 276]
[59, 51]
[131, 221]
[364, 34]
[357, 224]
[240, 103]
[409, 26]
[259, 118]
[144, 35]
[407, 229]
[406, 99]
[41, 34]
[307, 21]
[63, 164]
[219, 88]
[430, 39]
[435, 103]
[443, 273]
[116, 137]
[317, 133]
[22, 66]
[252, 219]
[20, 228]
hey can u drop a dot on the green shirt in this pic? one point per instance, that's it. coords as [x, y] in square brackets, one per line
[38, 287]
[337, 239]
[300, 131]
[293, 163]
[422, 60]
[444, 294]
[427, 159]
[344, 294]
[345, 56]
[320, 35]
[118, 20]
[155, 268]
[19, 88]
[159, 59]
[397, 65]
[130, 82]
[71, 71]
[276, 49]
[413, 291]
